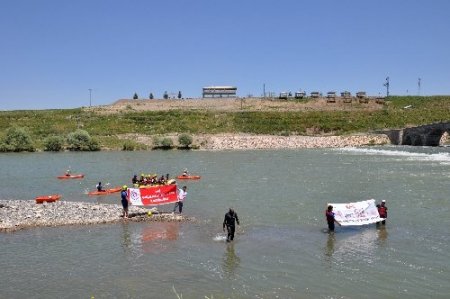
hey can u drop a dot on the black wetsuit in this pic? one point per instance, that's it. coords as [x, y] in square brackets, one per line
[230, 218]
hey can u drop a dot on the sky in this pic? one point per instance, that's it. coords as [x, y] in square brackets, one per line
[65, 54]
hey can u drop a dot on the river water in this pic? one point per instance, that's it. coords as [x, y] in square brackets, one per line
[281, 249]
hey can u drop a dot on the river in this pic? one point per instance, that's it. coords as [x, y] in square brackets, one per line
[281, 249]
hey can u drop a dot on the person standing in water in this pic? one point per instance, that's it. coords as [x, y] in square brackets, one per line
[329, 214]
[229, 221]
[382, 210]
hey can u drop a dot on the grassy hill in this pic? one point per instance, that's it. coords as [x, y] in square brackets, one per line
[109, 128]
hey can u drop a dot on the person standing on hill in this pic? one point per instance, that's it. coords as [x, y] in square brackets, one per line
[382, 210]
[181, 197]
[229, 221]
[124, 201]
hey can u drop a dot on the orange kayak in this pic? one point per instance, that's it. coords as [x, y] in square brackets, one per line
[188, 177]
[106, 191]
[47, 198]
[72, 176]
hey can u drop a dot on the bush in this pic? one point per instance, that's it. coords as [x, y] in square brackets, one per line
[185, 140]
[129, 145]
[80, 140]
[167, 143]
[17, 140]
[162, 143]
[53, 144]
[94, 145]
[156, 142]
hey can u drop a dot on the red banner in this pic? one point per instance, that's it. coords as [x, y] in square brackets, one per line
[153, 196]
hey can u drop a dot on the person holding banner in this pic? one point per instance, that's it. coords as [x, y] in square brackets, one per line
[124, 201]
[382, 210]
[330, 218]
[181, 197]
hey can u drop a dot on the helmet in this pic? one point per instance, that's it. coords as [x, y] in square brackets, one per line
[124, 187]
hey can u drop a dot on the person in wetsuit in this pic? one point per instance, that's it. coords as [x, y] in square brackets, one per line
[229, 221]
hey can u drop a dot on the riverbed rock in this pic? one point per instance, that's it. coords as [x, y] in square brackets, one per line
[19, 214]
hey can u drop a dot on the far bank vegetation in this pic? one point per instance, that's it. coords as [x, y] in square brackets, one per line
[86, 130]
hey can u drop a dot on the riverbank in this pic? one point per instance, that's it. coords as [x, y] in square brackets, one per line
[252, 142]
[239, 142]
[20, 214]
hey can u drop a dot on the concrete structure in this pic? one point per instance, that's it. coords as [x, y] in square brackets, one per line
[426, 135]
[346, 94]
[331, 97]
[219, 92]
[316, 94]
[300, 94]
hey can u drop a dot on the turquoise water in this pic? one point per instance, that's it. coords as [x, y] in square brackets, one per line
[281, 249]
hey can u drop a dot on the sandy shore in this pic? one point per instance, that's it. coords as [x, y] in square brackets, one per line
[20, 214]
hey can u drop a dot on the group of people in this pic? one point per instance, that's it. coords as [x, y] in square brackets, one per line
[331, 220]
[150, 180]
[229, 222]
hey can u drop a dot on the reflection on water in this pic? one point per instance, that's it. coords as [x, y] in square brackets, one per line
[382, 234]
[329, 248]
[230, 261]
[160, 231]
[355, 244]
[126, 237]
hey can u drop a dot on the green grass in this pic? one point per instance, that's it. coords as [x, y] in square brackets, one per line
[105, 128]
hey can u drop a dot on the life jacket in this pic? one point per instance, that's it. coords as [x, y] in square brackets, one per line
[383, 212]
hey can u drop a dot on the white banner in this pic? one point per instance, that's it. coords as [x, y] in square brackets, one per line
[356, 213]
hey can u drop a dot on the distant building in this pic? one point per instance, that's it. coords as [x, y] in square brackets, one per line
[283, 96]
[300, 94]
[346, 94]
[219, 92]
[316, 94]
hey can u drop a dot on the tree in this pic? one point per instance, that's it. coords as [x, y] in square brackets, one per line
[17, 140]
[166, 95]
[150, 96]
[80, 140]
[166, 143]
[53, 144]
[185, 140]
[179, 95]
[135, 96]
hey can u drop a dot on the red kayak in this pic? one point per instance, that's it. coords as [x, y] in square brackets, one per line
[188, 177]
[47, 198]
[72, 176]
[106, 191]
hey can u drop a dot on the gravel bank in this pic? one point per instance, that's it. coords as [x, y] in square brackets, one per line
[19, 214]
[227, 142]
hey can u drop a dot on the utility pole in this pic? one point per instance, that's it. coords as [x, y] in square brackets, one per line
[90, 97]
[418, 85]
[387, 86]
[264, 90]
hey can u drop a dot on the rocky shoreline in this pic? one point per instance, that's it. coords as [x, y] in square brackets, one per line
[20, 214]
[251, 142]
